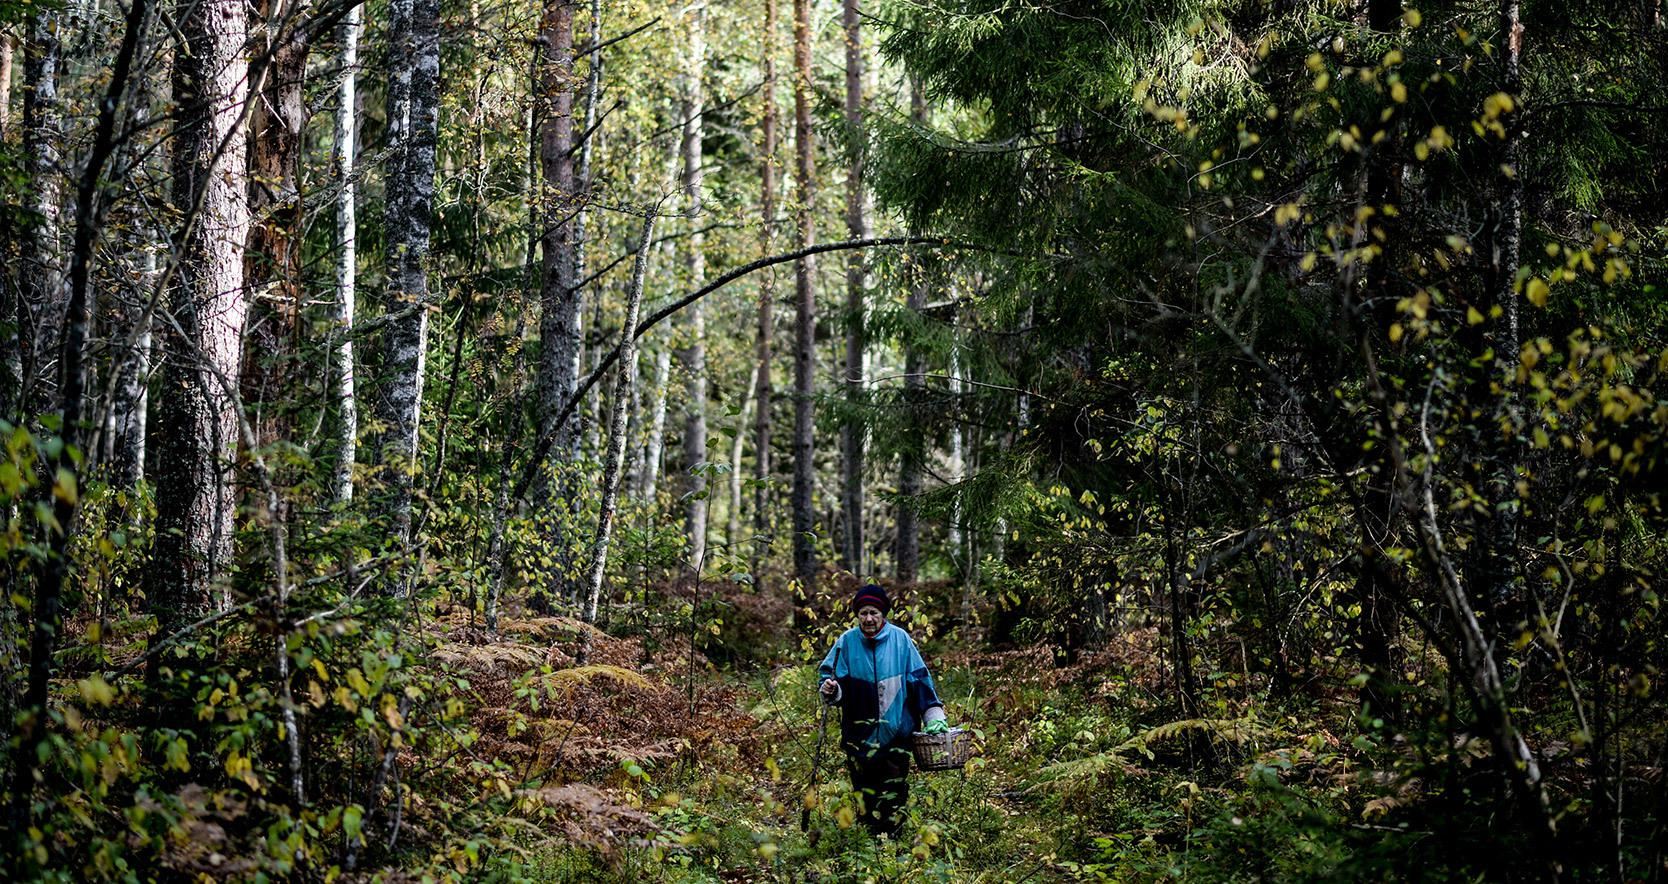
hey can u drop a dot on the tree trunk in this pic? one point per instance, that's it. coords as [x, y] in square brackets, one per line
[347, 261]
[272, 263]
[913, 458]
[5, 84]
[560, 306]
[857, 225]
[694, 356]
[1507, 246]
[130, 397]
[582, 183]
[805, 308]
[197, 425]
[559, 302]
[11, 363]
[413, 98]
[617, 426]
[40, 289]
[654, 445]
[632, 478]
[732, 533]
[958, 557]
[765, 393]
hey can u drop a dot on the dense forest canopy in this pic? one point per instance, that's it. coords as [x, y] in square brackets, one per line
[441, 437]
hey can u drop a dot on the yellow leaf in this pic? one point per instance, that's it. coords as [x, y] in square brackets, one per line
[96, 690]
[1472, 317]
[391, 712]
[1395, 332]
[65, 489]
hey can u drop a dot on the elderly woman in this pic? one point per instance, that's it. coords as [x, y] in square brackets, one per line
[877, 677]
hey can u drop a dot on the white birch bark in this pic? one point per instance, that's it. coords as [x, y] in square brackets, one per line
[413, 98]
[732, 534]
[130, 394]
[694, 356]
[617, 427]
[957, 460]
[5, 83]
[588, 138]
[347, 260]
[41, 293]
[764, 394]
[654, 445]
[633, 478]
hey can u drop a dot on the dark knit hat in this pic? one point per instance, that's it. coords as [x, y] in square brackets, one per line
[871, 594]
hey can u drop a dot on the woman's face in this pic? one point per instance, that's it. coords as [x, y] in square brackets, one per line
[870, 620]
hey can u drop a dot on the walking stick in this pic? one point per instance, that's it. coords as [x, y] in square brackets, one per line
[816, 765]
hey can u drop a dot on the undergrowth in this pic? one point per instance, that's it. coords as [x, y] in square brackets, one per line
[1080, 777]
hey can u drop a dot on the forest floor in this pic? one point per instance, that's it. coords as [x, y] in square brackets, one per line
[1083, 771]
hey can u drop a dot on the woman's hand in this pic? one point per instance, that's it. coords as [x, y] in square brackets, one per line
[829, 687]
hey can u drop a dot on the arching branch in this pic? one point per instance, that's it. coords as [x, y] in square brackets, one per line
[547, 434]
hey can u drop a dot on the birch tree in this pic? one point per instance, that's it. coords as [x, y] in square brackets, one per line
[5, 82]
[413, 99]
[617, 425]
[694, 354]
[347, 259]
[732, 534]
[40, 277]
[764, 392]
[654, 443]
[588, 137]
[130, 389]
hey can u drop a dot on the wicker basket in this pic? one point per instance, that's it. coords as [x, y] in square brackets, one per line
[946, 751]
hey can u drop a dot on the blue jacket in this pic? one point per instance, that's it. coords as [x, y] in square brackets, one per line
[885, 687]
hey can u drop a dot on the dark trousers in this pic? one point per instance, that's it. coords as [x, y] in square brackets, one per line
[881, 778]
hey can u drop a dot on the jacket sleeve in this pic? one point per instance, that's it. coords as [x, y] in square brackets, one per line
[923, 694]
[826, 670]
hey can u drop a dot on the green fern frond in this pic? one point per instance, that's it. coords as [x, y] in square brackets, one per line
[580, 675]
[1082, 771]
